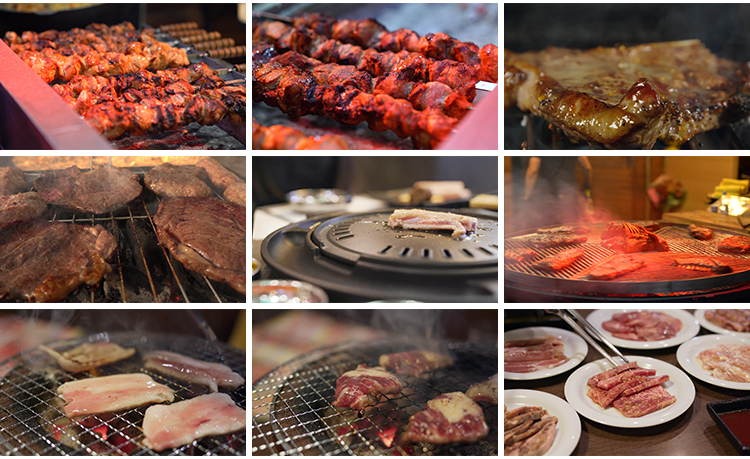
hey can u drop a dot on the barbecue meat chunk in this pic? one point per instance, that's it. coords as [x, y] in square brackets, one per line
[628, 238]
[170, 180]
[363, 386]
[20, 207]
[451, 417]
[735, 244]
[12, 181]
[236, 193]
[615, 267]
[219, 175]
[485, 391]
[414, 363]
[628, 97]
[207, 235]
[700, 232]
[98, 191]
[44, 261]
[559, 260]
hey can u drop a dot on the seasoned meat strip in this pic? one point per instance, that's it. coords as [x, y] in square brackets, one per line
[451, 417]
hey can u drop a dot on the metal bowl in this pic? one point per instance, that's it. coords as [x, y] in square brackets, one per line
[318, 200]
[287, 291]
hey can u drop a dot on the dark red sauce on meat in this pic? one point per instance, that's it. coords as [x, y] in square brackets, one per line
[739, 423]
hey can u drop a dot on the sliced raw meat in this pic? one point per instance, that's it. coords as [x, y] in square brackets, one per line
[112, 393]
[643, 326]
[519, 255]
[614, 267]
[361, 387]
[527, 353]
[220, 176]
[548, 241]
[485, 391]
[644, 402]
[170, 426]
[700, 232]
[12, 181]
[604, 397]
[628, 238]
[730, 319]
[735, 244]
[44, 261]
[236, 193]
[609, 383]
[524, 356]
[645, 384]
[553, 340]
[207, 235]
[451, 417]
[559, 260]
[730, 362]
[702, 264]
[20, 207]
[536, 365]
[170, 180]
[193, 370]
[565, 230]
[98, 191]
[414, 363]
[88, 356]
[419, 219]
[594, 380]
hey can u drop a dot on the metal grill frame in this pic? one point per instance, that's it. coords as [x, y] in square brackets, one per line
[300, 394]
[109, 223]
[25, 386]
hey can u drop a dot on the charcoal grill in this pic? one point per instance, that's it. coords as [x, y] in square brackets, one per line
[32, 421]
[360, 256]
[657, 280]
[293, 415]
[142, 271]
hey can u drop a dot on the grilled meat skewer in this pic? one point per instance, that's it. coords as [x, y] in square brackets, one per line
[278, 137]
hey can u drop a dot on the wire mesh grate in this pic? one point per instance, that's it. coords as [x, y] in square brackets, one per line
[293, 415]
[32, 421]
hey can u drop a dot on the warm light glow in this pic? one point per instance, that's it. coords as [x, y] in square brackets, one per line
[43, 163]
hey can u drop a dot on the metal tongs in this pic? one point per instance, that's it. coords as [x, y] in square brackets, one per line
[573, 319]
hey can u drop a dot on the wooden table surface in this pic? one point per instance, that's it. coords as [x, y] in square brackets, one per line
[693, 433]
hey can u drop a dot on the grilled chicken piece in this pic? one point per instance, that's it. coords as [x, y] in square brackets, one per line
[88, 356]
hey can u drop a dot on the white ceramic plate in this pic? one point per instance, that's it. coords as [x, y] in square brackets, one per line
[679, 385]
[690, 328]
[568, 423]
[575, 350]
[688, 352]
[700, 315]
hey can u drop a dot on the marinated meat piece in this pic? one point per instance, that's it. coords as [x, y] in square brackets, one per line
[650, 225]
[419, 219]
[414, 363]
[547, 241]
[20, 207]
[644, 402]
[735, 244]
[170, 426]
[628, 97]
[643, 326]
[519, 255]
[207, 235]
[731, 319]
[182, 367]
[220, 176]
[236, 193]
[628, 238]
[98, 191]
[361, 387]
[614, 267]
[559, 260]
[523, 415]
[12, 181]
[700, 232]
[451, 417]
[485, 391]
[44, 261]
[594, 380]
[112, 393]
[565, 230]
[170, 180]
[730, 362]
[702, 264]
[609, 383]
[88, 356]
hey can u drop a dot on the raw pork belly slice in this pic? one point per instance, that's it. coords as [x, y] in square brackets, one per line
[485, 391]
[525, 356]
[643, 326]
[414, 363]
[89, 355]
[193, 370]
[644, 402]
[12, 181]
[451, 417]
[112, 393]
[170, 180]
[170, 426]
[361, 387]
[21, 207]
[98, 191]
[559, 260]
[731, 319]
[419, 219]
[735, 244]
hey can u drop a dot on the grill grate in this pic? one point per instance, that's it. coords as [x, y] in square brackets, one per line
[292, 411]
[32, 421]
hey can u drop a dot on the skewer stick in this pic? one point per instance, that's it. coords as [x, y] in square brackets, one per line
[275, 17]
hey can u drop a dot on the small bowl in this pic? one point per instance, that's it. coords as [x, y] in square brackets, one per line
[319, 200]
[716, 409]
[256, 267]
[287, 291]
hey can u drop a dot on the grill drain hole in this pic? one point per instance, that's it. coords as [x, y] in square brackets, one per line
[345, 237]
[426, 253]
[466, 251]
[447, 253]
[484, 250]
[405, 252]
[386, 249]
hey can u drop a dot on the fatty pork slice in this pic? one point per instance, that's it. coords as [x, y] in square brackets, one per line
[193, 370]
[112, 393]
[485, 391]
[171, 426]
[419, 219]
[88, 356]
[363, 386]
[414, 363]
[451, 417]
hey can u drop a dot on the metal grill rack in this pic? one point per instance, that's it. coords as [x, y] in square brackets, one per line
[293, 415]
[32, 421]
[142, 271]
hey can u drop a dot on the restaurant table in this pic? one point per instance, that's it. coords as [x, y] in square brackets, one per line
[693, 433]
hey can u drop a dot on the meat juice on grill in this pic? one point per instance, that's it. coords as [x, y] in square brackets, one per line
[170, 180]
[45, 261]
[207, 235]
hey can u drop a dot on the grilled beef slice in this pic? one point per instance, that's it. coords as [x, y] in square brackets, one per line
[614, 267]
[20, 207]
[559, 260]
[628, 238]
[700, 232]
[170, 180]
[44, 261]
[207, 235]
[98, 191]
[12, 181]
[735, 244]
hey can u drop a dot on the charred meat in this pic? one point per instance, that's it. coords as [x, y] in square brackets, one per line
[628, 238]
[20, 207]
[519, 255]
[735, 244]
[88, 356]
[559, 260]
[614, 267]
[700, 232]
[702, 264]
